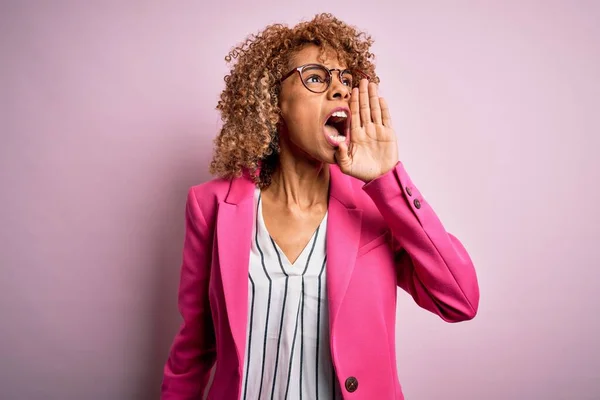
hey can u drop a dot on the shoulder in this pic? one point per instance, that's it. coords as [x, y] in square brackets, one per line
[363, 200]
[351, 192]
[205, 197]
[352, 188]
[216, 188]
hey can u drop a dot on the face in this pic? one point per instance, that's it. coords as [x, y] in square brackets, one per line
[308, 128]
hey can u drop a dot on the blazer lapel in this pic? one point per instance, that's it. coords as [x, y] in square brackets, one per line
[343, 236]
[234, 239]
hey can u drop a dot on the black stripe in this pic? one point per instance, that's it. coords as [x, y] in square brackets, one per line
[333, 379]
[302, 317]
[249, 338]
[318, 325]
[301, 339]
[281, 322]
[278, 256]
[287, 386]
[262, 260]
[311, 250]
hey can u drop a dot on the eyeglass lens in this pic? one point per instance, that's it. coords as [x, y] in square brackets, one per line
[317, 78]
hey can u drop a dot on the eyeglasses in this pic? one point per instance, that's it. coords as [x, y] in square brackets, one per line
[317, 78]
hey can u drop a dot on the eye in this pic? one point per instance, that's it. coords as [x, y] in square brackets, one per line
[346, 78]
[314, 79]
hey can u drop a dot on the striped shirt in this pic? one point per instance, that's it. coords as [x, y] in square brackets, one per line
[287, 354]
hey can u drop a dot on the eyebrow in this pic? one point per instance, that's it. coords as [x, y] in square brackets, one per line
[316, 62]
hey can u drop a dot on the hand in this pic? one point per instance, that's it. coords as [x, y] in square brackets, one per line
[373, 150]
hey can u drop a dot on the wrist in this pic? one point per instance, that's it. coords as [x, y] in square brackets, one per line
[382, 172]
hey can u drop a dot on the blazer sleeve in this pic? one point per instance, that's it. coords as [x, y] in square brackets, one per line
[432, 265]
[193, 352]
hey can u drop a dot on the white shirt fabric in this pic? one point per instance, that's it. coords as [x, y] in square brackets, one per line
[287, 354]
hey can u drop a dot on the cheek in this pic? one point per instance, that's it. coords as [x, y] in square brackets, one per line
[301, 114]
[301, 128]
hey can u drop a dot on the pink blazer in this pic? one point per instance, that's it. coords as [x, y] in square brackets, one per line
[380, 235]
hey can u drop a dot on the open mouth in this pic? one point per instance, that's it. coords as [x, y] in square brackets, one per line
[337, 126]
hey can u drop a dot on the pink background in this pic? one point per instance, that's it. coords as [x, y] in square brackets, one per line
[107, 117]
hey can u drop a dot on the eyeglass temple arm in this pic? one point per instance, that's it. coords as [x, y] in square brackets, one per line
[292, 72]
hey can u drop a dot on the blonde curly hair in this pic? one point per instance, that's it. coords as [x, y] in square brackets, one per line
[249, 104]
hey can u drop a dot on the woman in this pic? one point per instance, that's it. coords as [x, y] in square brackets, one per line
[292, 256]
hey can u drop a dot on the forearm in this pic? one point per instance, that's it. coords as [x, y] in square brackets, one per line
[440, 274]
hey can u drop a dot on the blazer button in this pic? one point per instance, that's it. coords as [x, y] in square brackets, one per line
[409, 191]
[417, 203]
[351, 384]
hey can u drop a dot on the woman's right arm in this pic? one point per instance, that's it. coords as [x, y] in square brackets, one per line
[193, 352]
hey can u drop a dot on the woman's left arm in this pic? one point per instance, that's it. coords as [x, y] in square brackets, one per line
[432, 265]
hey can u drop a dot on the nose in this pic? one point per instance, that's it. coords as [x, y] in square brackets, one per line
[338, 90]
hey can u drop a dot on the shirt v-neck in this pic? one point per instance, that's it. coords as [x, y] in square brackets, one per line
[287, 346]
[297, 267]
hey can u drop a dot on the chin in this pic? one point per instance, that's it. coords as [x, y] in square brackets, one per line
[331, 160]
[324, 159]
[328, 157]
[322, 154]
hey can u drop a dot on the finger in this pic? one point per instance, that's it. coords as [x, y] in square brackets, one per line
[354, 110]
[374, 103]
[385, 113]
[342, 158]
[363, 101]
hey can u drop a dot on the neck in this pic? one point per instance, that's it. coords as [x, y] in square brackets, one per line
[298, 182]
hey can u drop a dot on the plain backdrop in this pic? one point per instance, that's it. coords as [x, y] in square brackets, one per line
[107, 116]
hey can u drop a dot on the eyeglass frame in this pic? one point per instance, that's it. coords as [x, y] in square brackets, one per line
[339, 74]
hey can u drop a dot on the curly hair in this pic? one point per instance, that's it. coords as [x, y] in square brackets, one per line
[249, 104]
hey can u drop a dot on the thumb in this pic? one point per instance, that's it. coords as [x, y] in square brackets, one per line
[342, 158]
